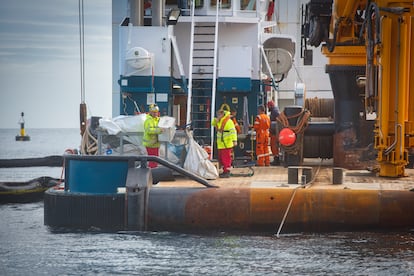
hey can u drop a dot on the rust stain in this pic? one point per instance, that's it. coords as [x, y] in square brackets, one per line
[311, 209]
[219, 209]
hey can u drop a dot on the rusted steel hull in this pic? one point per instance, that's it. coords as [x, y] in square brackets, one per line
[268, 200]
[262, 209]
[189, 209]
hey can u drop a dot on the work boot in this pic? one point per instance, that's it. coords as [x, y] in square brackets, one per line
[224, 175]
[275, 162]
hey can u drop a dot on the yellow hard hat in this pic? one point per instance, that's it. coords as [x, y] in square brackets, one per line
[153, 108]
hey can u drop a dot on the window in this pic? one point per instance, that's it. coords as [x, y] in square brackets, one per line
[225, 4]
[249, 5]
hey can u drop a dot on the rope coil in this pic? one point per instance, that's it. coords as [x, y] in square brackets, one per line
[89, 144]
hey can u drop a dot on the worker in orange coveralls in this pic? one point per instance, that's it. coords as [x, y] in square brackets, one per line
[274, 141]
[261, 126]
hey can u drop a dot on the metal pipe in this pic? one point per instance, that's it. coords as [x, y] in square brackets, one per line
[157, 12]
[137, 12]
[397, 75]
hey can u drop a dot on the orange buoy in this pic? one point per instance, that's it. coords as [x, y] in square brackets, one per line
[287, 137]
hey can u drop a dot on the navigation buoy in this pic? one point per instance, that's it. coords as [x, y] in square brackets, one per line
[22, 136]
[287, 137]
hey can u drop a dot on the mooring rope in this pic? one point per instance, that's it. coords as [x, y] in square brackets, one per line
[298, 129]
[305, 185]
[302, 121]
[89, 144]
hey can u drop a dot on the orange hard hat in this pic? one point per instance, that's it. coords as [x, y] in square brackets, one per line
[287, 137]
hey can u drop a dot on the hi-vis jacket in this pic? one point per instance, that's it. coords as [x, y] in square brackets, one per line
[226, 132]
[151, 131]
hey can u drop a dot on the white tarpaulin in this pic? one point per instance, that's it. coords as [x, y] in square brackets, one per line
[123, 124]
[197, 160]
[132, 128]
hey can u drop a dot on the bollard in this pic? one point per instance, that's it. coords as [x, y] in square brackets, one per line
[138, 183]
[308, 173]
[303, 181]
[337, 176]
[293, 172]
[293, 175]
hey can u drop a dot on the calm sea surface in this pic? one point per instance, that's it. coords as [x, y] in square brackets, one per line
[27, 247]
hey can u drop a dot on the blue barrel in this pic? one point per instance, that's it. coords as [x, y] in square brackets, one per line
[95, 174]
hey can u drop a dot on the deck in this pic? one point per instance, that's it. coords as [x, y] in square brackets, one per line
[322, 177]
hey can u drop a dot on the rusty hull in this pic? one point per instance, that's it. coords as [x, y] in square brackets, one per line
[262, 209]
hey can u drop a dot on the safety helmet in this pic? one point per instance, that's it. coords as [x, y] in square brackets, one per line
[153, 108]
[270, 104]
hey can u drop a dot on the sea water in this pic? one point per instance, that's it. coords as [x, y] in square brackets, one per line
[27, 247]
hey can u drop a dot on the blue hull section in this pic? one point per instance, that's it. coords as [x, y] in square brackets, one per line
[98, 176]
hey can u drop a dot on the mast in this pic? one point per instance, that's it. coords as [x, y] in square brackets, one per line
[82, 107]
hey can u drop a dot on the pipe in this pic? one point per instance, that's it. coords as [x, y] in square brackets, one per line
[397, 75]
[82, 107]
[137, 12]
[157, 12]
[190, 68]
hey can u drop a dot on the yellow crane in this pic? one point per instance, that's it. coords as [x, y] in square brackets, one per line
[378, 37]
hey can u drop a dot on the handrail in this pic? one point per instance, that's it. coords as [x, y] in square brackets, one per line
[214, 84]
[268, 66]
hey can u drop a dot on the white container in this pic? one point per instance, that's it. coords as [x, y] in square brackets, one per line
[168, 124]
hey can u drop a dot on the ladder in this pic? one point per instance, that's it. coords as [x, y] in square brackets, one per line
[202, 82]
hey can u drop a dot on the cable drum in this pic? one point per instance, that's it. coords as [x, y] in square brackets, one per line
[279, 53]
[320, 107]
[138, 58]
[319, 145]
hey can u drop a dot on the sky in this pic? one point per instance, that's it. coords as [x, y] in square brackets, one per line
[40, 62]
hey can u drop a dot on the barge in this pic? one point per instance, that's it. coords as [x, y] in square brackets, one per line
[103, 192]
[238, 58]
